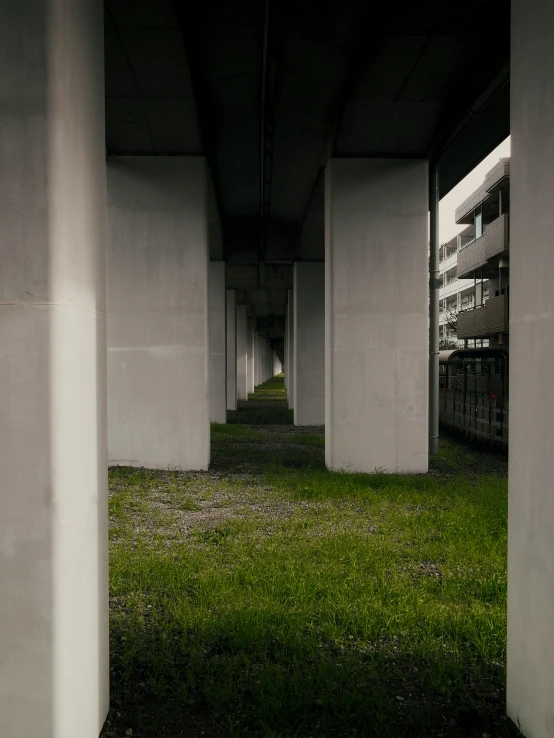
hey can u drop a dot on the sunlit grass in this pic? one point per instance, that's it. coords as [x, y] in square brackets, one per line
[307, 602]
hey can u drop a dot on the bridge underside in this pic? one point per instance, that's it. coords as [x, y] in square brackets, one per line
[268, 91]
[266, 188]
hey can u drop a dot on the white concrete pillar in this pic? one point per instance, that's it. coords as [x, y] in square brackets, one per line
[242, 353]
[530, 688]
[250, 352]
[285, 355]
[376, 323]
[309, 343]
[53, 441]
[259, 362]
[218, 356]
[158, 347]
[291, 343]
[231, 350]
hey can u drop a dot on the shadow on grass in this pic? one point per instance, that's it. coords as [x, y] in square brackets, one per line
[313, 629]
[238, 675]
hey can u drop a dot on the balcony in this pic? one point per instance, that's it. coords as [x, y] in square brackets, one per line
[448, 263]
[492, 318]
[492, 179]
[494, 241]
[448, 289]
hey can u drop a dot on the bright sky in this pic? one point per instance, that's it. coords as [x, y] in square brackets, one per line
[447, 225]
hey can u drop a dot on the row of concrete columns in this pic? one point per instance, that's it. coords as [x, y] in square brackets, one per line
[357, 326]
[72, 338]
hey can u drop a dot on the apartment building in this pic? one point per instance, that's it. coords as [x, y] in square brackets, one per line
[475, 269]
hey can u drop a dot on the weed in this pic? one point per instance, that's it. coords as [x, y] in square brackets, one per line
[272, 597]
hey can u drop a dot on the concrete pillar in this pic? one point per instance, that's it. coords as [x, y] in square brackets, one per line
[231, 350]
[250, 352]
[530, 688]
[53, 440]
[218, 356]
[376, 323]
[158, 348]
[291, 342]
[277, 367]
[259, 362]
[285, 353]
[309, 343]
[242, 353]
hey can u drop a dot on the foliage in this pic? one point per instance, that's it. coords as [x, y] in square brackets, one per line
[271, 597]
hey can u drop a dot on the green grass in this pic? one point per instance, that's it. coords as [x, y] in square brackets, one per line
[272, 597]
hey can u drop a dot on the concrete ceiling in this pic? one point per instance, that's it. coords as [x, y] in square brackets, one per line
[268, 90]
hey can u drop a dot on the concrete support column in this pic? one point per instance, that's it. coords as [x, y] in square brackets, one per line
[290, 355]
[256, 360]
[260, 361]
[376, 323]
[277, 366]
[250, 352]
[530, 689]
[53, 440]
[231, 350]
[218, 330]
[285, 356]
[309, 343]
[158, 347]
[242, 353]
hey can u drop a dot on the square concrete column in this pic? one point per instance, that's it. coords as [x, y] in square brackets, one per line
[53, 442]
[309, 343]
[259, 359]
[250, 351]
[290, 354]
[530, 662]
[231, 350]
[242, 353]
[218, 356]
[158, 347]
[376, 323]
[285, 354]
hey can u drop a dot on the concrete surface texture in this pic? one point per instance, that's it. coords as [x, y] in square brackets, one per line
[218, 358]
[231, 350]
[242, 353]
[158, 350]
[53, 445]
[376, 323]
[251, 327]
[309, 343]
[290, 346]
[530, 689]
[285, 356]
[259, 362]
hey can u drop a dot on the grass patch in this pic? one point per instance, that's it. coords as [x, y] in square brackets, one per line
[294, 601]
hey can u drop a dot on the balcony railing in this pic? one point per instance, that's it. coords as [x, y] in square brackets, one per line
[487, 320]
[494, 241]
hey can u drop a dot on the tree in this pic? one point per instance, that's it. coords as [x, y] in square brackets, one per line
[447, 344]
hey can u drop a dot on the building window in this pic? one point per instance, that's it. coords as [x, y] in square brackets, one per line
[478, 223]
